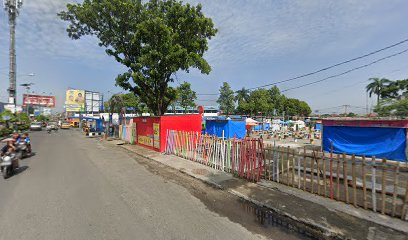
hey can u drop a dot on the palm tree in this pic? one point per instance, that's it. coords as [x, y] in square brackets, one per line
[376, 86]
[242, 95]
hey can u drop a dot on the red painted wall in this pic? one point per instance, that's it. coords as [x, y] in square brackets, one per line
[188, 123]
[144, 125]
[144, 128]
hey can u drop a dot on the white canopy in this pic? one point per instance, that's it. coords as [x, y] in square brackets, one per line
[250, 121]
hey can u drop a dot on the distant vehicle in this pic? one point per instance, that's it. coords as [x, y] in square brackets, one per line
[52, 125]
[36, 126]
[66, 125]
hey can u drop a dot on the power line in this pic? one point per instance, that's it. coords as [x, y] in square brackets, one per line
[346, 72]
[322, 69]
[335, 65]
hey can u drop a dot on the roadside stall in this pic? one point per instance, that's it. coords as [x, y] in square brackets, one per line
[380, 138]
[151, 132]
[226, 128]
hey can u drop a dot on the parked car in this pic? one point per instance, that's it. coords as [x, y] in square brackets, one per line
[66, 125]
[36, 126]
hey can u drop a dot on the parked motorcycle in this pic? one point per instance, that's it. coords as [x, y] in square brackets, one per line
[7, 165]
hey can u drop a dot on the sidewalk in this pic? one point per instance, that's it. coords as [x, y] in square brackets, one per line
[317, 215]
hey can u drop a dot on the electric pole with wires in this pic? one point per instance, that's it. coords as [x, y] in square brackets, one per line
[12, 8]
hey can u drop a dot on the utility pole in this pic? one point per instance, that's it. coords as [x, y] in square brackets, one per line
[345, 109]
[12, 8]
[27, 86]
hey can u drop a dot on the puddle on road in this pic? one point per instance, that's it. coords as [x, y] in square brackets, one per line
[272, 226]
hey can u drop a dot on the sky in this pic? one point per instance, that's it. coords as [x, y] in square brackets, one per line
[259, 42]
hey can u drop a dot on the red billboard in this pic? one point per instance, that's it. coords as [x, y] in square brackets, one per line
[38, 100]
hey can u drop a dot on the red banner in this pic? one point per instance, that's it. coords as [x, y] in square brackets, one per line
[38, 100]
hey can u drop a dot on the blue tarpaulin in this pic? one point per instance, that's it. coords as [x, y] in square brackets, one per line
[389, 143]
[231, 128]
[266, 127]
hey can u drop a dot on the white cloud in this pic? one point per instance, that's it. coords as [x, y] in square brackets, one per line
[249, 30]
[253, 30]
[40, 31]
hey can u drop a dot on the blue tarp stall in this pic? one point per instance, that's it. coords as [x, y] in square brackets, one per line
[97, 125]
[266, 127]
[231, 128]
[379, 141]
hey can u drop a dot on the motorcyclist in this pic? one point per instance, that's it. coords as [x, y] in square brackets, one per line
[27, 140]
[16, 136]
[8, 148]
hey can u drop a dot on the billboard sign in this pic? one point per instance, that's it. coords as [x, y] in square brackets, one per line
[93, 102]
[75, 100]
[38, 100]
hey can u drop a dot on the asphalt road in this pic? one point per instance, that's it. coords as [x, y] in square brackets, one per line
[77, 188]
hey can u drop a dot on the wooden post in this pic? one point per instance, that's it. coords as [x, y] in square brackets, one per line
[318, 173]
[277, 164]
[373, 185]
[298, 165]
[266, 169]
[395, 193]
[353, 173]
[282, 164]
[324, 175]
[383, 186]
[338, 178]
[304, 168]
[270, 153]
[331, 171]
[363, 174]
[287, 165]
[312, 171]
[345, 177]
[404, 210]
[293, 168]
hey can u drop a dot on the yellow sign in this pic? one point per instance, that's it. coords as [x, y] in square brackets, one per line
[156, 135]
[75, 100]
[145, 141]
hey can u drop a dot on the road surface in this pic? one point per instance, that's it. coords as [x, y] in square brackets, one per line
[80, 188]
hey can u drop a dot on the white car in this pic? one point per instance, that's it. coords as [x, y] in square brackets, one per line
[36, 126]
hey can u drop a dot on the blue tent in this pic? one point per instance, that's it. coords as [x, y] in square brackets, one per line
[231, 128]
[266, 127]
[381, 142]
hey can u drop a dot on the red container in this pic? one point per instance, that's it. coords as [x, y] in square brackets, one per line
[151, 132]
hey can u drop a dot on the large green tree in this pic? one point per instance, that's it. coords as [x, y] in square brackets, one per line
[186, 96]
[119, 102]
[242, 98]
[226, 100]
[278, 100]
[295, 107]
[153, 39]
[377, 86]
[260, 102]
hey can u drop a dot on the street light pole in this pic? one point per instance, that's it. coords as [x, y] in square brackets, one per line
[27, 86]
[12, 6]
